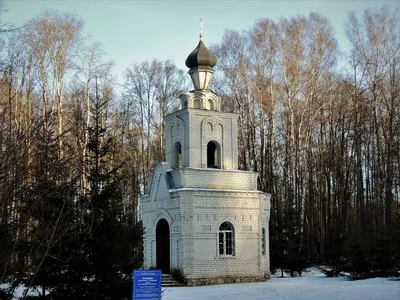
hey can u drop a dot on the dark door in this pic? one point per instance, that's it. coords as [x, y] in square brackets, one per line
[162, 246]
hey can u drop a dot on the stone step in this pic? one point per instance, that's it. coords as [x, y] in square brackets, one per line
[168, 281]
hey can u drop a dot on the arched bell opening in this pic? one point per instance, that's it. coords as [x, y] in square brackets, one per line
[196, 103]
[184, 104]
[211, 104]
[177, 162]
[213, 155]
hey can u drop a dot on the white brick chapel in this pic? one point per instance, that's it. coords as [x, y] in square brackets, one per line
[201, 215]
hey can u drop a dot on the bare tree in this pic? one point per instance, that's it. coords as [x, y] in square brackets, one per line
[151, 91]
[51, 39]
[375, 56]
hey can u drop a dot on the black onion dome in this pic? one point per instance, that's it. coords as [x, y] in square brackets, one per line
[201, 57]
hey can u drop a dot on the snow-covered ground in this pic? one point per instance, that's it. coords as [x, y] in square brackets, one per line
[311, 286]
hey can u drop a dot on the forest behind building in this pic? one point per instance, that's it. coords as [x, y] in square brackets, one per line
[321, 127]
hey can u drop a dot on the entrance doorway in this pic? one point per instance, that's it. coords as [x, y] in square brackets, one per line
[162, 246]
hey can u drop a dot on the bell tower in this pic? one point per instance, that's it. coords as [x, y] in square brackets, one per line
[199, 135]
[201, 215]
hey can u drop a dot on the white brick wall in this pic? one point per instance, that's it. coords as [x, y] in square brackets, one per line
[194, 217]
[214, 179]
[210, 210]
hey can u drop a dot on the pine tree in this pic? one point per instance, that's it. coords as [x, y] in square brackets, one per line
[113, 237]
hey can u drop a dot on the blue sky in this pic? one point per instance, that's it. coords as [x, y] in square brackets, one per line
[135, 31]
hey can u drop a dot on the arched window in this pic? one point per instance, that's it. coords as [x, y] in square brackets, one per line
[226, 239]
[213, 155]
[178, 155]
[263, 241]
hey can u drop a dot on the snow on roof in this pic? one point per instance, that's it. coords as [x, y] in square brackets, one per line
[213, 190]
[217, 170]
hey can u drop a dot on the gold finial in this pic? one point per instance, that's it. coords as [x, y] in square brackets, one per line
[201, 28]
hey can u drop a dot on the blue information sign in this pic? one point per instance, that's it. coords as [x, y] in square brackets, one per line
[147, 284]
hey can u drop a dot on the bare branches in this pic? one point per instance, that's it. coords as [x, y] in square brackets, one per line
[151, 90]
[320, 139]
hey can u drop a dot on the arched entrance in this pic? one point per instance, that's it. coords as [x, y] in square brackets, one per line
[162, 246]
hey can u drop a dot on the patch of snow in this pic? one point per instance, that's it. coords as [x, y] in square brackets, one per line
[19, 291]
[314, 286]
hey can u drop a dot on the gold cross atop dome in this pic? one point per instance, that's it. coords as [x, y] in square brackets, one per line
[201, 28]
[201, 62]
